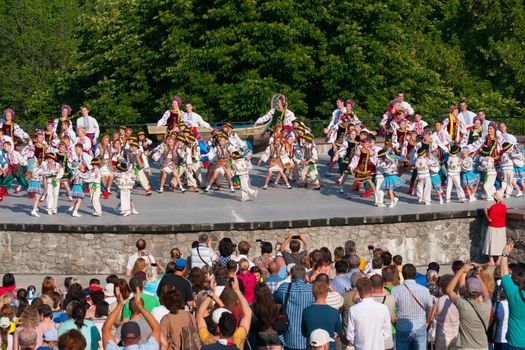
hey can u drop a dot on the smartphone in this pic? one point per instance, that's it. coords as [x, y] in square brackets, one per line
[296, 237]
[154, 264]
[371, 247]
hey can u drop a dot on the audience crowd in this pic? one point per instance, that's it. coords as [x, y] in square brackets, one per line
[285, 298]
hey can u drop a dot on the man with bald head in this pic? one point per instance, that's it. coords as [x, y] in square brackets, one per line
[274, 280]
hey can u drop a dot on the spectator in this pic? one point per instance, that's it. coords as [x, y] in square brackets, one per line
[86, 327]
[256, 272]
[197, 278]
[320, 340]
[300, 297]
[379, 295]
[265, 312]
[178, 281]
[27, 339]
[72, 340]
[501, 317]
[8, 284]
[447, 318]
[486, 274]
[369, 323]
[247, 278]
[513, 287]
[141, 253]
[265, 259]
[319, 315]
[139, 268]
[173, 323]
[387, 258]
[333, 299]
[341, 283]
[150, 301]
[130, 331]
[274, 280]
[339, 253]
[376, 267]
[202, 254]
[101, 314]
[432, 279]
[29, 319]
[49, 339]
[414, 306]
[376, 253]
[226, 323]
[135, 316]
[353, 261]
[351, 248]
[244, 250]
[349, 299]
[296, 254]
[109, 293]
[46, 322]
[59, 315]
[175, 254]
[390, 277]
[49, 286]
[152, 280]
[160, 311]
[398, 263]
[226, 250]
[474, 310]
[496, 236]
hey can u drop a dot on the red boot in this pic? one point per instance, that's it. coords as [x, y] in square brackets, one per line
[367, 194]
[357, 187]
[105, 194]
[31, 195]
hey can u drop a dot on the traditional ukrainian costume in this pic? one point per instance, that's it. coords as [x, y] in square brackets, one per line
[469, 177]
[35, 183]
[392, 179]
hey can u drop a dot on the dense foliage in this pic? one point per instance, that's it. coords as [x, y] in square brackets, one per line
[126, 58]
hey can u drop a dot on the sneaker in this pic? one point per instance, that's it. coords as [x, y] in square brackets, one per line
[134, 211]
[161, 190]
[428, 203]
[77, 215]
[182, 189]
[207, 189]
[394, 202]
[70, 209]
[473, 199]
[232, 189]
[35, 214]
[463, 200]
[265, 187]
[128, 213]
[341, 189]
[519, 194]
[380, 205]
[507, 195]
[148, 193]
[289, 186]
[97, 214]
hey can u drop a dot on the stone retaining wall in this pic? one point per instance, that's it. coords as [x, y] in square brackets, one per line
[77, 253]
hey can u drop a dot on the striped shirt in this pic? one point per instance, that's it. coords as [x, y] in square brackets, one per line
[202, 256]
[300, 297]
[273, 282]
[411, 316]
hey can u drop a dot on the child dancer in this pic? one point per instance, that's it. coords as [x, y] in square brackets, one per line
[273, 154]
[241, 168]
[137, 160]
[53, 173]
[308, 163]
[454, 175]
[125, 182]
[392, 179]
[103, 154]
[35, 186]
[64, 160]
[519, 169]
[507, 169]
[380, 177]
[469, 178]
[95, 186]
[77, 192]
[424, 184]
[434, 166]
[363, 164]
[486, 166]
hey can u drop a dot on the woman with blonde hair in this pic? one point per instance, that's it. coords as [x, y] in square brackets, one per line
[152, 280]
[175, 254]
[28, 319]
[487, 276]
[140, 266]
[49, 285]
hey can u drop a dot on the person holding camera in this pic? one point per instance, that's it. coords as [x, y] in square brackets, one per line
[295, 255]
[141, 253]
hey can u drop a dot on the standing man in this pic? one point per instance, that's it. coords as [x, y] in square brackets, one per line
[336, 114]
[202, 254]
[299, 298]
[195, 119]
[465, 114]
[403, 105]
[368, 321]
[90, 124]
[414, 306]
[141, 253]
[295, 255]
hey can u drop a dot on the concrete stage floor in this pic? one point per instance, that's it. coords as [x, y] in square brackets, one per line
[274, 204]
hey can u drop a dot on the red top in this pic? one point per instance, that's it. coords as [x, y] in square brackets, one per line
[497, 214]
[4, 290]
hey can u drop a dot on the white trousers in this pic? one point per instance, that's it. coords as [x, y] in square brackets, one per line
[454, 179]
[52, 195]
[247, 192]
[506, 181]
[125, 200]
[424, 188]
[379, 194]
[488, 186]
[95, 198]
[143, 180]
[306, 174]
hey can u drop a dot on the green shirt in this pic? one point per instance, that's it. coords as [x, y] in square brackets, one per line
[516, 327]
[150, 301]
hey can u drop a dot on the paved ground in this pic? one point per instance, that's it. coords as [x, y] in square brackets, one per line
[223, 206]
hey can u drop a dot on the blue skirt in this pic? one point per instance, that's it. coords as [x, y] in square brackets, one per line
[391, 182]
[35, 187]
[469, 178]
[436, 180]
[519, 173]
[77, 191]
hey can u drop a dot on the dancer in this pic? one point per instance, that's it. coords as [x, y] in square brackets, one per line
[241, 168]
[35, 187]
[79, 178]
[469, 178]
[64, 159]
[16, 167]
[95, 181]
[392, 179]
[136, 158]
[454, 175]
[519, 169]
[125, 182]
[173, 116]
[220, 155]
[380, 177]
[52, 173]
[12, 129]
[434, 167]
[273, 154]
[486, 166]
[90, 126]
[280, 116]
[454, 125]
[308, 163]
[103, 154]
[363, 164]
[506, 167]
[424, 184]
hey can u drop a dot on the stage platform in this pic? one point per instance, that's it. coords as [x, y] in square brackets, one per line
[274, 208]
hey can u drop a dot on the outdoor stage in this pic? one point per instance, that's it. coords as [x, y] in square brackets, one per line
[94, 245]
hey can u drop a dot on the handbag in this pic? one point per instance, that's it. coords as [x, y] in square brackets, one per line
[281, 322]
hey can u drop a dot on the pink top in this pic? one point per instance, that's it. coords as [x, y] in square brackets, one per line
[249, 281]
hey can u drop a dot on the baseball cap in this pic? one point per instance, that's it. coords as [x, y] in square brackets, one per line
[180, 263]
[50, 334]
[473, 285]
[216, 315]
[320, 337]
[130, 330]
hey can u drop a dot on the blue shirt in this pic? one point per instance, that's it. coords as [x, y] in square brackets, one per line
[322, 316]
[151, 344]
[341, 284]
[300, 298]
[411, 316]
[273, 282]
[351, 272]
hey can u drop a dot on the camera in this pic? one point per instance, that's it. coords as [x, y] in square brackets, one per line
[296, 237]
[371, 247]
[260, 241]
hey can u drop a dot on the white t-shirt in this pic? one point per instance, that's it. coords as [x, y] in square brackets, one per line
[133, 258]
[159, 312]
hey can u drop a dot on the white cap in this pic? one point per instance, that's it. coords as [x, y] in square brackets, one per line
[320, 337]
[216, 315]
